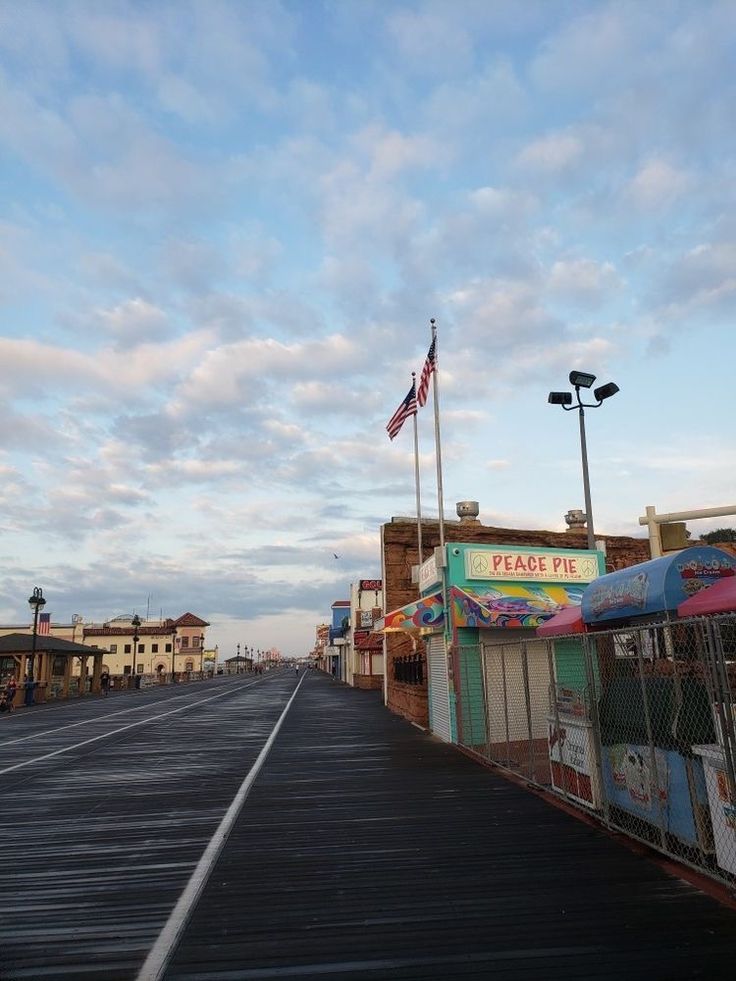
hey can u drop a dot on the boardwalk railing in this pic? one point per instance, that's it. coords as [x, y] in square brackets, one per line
[635, 725]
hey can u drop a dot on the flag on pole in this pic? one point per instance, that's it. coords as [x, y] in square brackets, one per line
[44, 623]
[407, 408]
[429, 367]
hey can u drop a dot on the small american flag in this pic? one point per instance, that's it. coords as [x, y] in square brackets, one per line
[407, 408]
[429, 367]
[44, 623]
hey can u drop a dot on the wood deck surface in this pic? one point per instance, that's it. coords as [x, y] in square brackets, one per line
[366, 849]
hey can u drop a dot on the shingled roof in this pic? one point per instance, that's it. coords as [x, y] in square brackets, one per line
[189, 620]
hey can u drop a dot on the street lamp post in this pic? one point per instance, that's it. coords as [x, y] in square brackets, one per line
[583, 379]
[37, 603]
[237, 658]
[135, 624]
[174, 639]
[201, 656]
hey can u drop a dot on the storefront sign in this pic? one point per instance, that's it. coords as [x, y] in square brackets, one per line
[371, 584]
[429, 574]
[505, 565]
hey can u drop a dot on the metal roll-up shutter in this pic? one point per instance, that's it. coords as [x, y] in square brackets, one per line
[439, 689]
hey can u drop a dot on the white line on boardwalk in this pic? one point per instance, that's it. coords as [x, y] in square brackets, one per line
[96, 718]
[165, 945]
[131, 725]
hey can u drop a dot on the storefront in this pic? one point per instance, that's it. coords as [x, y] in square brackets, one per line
[496, 596]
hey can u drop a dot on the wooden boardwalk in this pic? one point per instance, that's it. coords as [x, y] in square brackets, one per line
[364, 850]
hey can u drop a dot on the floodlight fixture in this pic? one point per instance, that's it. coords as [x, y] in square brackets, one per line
[560, 398]
[581, 379]
[605, 391]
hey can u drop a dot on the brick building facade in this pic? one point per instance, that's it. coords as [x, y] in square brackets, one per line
[399, 554]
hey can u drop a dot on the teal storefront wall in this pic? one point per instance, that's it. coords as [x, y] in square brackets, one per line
[472, 697]
[471, 728]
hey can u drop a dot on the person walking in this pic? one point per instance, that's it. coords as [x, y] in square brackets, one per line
[10, 689]
[105, 682]
[297, 670]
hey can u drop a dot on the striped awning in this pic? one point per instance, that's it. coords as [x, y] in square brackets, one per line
[424, 616]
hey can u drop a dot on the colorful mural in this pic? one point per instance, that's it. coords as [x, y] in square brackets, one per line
[511, 605]
[424, 615]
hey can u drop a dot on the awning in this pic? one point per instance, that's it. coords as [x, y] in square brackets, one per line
[514, 607]
[423, 616]
[370, 642]
[567, 621]
[656, 587]
[718, 598]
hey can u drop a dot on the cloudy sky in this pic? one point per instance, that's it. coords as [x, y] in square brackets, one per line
[225, 227]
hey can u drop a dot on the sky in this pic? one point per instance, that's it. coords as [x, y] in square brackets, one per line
[225, 227]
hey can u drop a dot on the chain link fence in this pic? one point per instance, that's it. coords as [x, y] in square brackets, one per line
[635, 724]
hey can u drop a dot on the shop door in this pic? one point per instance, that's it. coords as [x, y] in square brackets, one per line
[439, 689]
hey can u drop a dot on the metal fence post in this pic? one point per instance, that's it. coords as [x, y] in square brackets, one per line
[652, 749]
[527, 699]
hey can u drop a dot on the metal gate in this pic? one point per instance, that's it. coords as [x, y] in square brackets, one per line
[506, 705]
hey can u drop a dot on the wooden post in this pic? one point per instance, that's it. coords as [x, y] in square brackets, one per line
[68, 661]
[97, 672]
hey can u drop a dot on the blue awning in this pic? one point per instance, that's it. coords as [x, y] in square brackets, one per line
[657, 586]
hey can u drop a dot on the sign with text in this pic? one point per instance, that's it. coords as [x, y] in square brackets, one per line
[531, 566]
[368, 584]
[429, 574]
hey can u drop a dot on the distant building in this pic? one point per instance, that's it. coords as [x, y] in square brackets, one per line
[364, 647]
[163, 646]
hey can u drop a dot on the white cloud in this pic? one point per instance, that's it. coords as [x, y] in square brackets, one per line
[554, 153]
[133, 322]
[583, 280]
[656, 184]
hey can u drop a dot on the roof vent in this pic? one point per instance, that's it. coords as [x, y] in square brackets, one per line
[468, 512]
[576, 519]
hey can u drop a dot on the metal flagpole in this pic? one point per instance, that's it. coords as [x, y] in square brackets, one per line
[440, 502]
[416, 475]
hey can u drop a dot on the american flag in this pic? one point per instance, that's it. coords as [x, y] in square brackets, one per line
[407, 408]
[44, 623]
[429, 367]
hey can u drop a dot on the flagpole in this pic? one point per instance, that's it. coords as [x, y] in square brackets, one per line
[438, 454]
[416, 476]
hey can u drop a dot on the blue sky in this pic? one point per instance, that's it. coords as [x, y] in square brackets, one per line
[224, 228]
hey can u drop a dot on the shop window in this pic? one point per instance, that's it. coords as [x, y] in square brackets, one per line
[126, 668]
[139, 668]
[58, 665]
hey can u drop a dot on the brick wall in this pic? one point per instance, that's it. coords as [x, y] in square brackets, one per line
[369, 682]
[399, 543]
